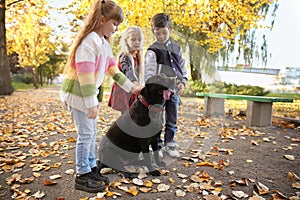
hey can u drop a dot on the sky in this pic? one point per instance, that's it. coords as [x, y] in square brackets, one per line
[284, 39]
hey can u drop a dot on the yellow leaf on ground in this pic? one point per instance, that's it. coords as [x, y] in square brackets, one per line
[145, 190]
[133, 190]
[296, 185]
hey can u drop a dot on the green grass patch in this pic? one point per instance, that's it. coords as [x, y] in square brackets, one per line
[21, 86]
[294, 96]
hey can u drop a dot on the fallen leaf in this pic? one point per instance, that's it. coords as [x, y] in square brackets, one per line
[254, 142]
[163, 187]
[287, 148]
[27, 180]
[171, 180]
[156, 180]
[289, 157]
[39, 194]
[137, 181]
[56, 165]
[240, 194]
[242, 181]
[19, 164]
[293, 177]
[142, 175]
[180, 193]
[13, 179]
[35, 174]
[278, 195]
[231, 172]
[145, 189]
[212, 197]
[296, 185]
[133, 190]
[106, 170]
[148, 183]
[70, 171]
[261, 188]
[295, 139]
[122, 187]
[55, 177]
[196, 179]
[205, 163]
[47, 182]
[101, 194]
[182, 175]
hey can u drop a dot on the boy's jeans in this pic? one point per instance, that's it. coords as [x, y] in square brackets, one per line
[171, 116]
[86, 141]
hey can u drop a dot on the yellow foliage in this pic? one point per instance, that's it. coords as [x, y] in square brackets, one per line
[27, 33]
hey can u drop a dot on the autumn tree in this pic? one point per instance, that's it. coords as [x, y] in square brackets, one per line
[49, 70]
[5, 79]
[211, 29]
[28, 34]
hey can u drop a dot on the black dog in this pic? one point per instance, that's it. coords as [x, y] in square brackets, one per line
[137, 129]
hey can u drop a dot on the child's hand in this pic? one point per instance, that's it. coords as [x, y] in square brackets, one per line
[136, 83]
[180, 88]
[137, 89]
[92, 112]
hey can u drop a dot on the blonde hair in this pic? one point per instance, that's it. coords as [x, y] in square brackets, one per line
[107, 8]
[126, 51]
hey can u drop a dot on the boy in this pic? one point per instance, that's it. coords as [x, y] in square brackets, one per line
[164, 56]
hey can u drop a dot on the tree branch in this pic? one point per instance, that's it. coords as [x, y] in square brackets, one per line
[13, 3]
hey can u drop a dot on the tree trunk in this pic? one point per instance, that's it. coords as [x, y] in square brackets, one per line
[40, 70]
[5, 79]
[35, 77]
[194, 72]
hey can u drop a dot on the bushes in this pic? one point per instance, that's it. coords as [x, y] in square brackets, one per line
[23, 78]
[222, 87]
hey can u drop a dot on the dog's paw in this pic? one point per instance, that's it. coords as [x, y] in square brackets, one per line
[155, 173]
[130, 175]
[161, 164]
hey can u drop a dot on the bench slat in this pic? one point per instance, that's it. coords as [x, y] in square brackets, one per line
[244, 97]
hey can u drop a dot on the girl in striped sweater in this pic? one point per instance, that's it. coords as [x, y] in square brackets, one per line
[89, 60]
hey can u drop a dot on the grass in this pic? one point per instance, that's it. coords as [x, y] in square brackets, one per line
[21, 86]
[294, 96]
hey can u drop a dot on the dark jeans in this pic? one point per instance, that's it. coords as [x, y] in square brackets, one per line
[171, 116]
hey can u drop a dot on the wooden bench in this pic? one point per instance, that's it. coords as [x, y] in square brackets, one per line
[259, 108]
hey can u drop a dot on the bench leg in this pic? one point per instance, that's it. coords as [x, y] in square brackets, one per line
[213, 106]
[259, 113]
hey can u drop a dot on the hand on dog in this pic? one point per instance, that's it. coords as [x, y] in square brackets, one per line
[137, 89]
[180, 88]
[92, 112]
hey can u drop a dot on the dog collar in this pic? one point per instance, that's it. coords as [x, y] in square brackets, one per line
[150, 107]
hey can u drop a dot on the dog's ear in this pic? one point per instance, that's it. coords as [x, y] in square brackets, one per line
[162, 79]
[144, 92]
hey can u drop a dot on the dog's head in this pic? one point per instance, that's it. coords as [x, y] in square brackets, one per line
[157, 88]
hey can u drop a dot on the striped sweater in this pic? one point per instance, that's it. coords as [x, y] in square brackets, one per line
[93, 58]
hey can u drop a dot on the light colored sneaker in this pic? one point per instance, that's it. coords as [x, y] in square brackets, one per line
[160, 152]
[172, 152]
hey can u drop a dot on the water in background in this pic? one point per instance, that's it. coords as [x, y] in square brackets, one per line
[267, 81]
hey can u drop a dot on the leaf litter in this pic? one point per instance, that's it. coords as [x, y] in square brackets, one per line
[28, 140]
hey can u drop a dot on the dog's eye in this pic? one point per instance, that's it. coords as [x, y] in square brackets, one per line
[160, 91]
